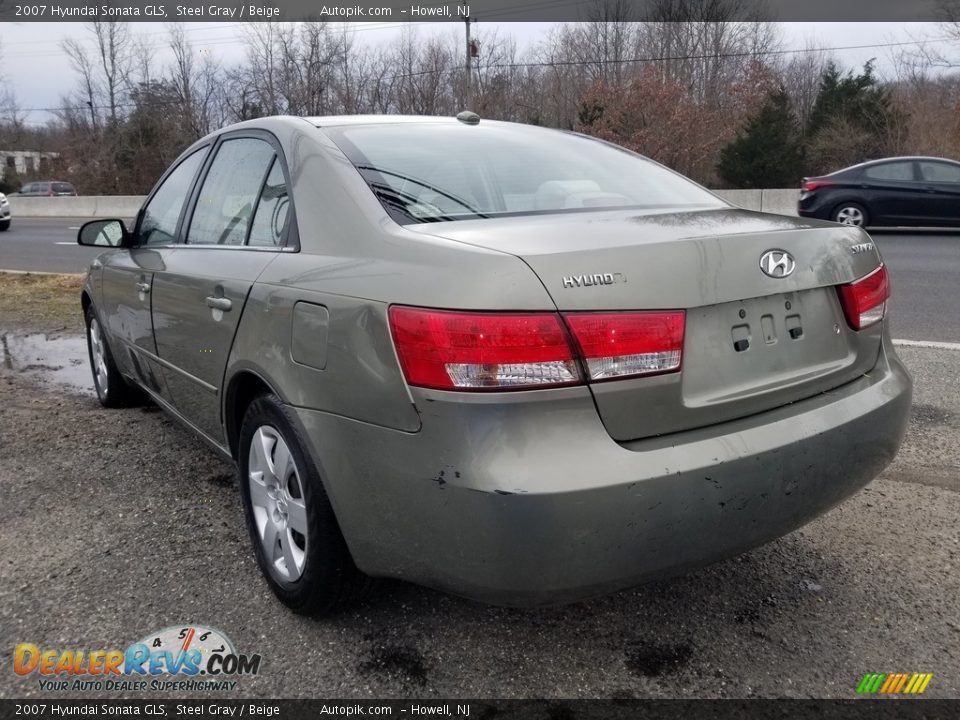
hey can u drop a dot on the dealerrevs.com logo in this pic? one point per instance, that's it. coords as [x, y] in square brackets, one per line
[183, 658]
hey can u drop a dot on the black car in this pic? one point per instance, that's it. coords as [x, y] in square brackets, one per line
[892, 191]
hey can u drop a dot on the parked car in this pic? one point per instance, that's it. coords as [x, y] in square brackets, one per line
[50, 188]
[516, 364]
[893, 191]
[4, 213]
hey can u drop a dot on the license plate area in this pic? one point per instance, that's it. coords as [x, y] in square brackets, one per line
[762, 346]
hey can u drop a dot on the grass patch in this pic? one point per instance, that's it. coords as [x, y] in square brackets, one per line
[41, 302]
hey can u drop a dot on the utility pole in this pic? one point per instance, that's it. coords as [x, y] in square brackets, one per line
[469, 86]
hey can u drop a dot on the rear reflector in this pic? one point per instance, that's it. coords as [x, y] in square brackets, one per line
[865, 300]
[476, 351]
[621, 344]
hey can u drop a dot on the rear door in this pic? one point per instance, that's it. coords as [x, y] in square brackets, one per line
[894, 194]
[238, 224]
[941, 182]
[127, 277]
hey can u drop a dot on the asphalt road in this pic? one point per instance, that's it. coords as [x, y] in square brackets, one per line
[924, 267]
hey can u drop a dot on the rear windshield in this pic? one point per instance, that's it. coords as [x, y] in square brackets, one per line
[436, 172]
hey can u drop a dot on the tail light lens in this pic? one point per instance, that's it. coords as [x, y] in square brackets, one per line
[616, 345]
[811, 185]
[451, 350]
[476, 351]
[865, 300]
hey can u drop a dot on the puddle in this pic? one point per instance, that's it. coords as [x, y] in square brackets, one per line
[58, 361]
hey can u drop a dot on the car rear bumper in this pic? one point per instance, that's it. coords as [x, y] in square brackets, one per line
[531, 502]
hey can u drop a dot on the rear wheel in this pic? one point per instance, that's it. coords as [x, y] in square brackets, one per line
[295, 535]
[850, 214]
[112, 388]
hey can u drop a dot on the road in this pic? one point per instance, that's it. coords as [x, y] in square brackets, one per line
[924, 267]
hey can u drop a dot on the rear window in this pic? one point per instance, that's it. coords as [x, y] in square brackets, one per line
[434, 172]
[62, 187]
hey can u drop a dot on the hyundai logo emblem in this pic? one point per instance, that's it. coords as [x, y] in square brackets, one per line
[777, 263]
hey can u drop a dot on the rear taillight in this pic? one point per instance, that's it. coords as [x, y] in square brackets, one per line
[616, 345]
[811, 185]
[865, 300]
[476, 351]
[502, 351]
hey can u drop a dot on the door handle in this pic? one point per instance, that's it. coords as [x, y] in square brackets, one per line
[219, 303]
[143, 287]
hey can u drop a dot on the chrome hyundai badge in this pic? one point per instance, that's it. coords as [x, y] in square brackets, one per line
[777, 263]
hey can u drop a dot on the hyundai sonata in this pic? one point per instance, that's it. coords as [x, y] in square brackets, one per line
[516, 364]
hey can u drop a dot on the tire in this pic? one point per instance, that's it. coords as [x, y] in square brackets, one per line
[4, 225]
[295, 535]
[850, 213]
[112, 388]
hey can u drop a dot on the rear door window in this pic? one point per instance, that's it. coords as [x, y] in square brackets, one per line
[230, 192]
[896, 171]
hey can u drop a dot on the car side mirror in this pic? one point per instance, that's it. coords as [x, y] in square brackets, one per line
[103, 233]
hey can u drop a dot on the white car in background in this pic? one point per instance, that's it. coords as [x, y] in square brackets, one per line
[4, 212]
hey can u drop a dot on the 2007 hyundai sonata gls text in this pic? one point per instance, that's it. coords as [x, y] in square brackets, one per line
[512, 363]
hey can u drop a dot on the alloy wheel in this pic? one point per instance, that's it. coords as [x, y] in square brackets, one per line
[850, 216]
[279, 509]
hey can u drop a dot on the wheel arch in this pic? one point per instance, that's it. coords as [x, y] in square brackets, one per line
[244, 386]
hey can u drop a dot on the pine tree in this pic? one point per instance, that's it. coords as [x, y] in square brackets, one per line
[767, 152]
[853, 120]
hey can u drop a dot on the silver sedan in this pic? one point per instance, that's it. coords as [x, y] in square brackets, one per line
[516, 364]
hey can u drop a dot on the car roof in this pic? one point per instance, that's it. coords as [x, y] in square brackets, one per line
[334, 120]
[899, 158]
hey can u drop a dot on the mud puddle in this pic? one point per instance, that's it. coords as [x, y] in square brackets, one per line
[58, 361]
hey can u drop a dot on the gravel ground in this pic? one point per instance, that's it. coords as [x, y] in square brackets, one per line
[117, 523]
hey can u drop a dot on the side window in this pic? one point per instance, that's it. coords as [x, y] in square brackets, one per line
[230, 192]
[940, 172]
[270, 220]
[890, 171]
[159, 224]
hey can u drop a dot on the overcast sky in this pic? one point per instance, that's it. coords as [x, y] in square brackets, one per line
[40, 73]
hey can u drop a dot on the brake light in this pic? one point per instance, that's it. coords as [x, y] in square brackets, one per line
[452, 350]
[865, 300]
[621, 344]
[476, 351]
[811, 185]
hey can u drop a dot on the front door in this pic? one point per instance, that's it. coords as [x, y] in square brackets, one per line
[127, 277]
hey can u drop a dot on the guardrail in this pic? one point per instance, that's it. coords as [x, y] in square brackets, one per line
[779, 201]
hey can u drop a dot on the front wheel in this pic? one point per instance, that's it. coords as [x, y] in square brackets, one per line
[850, 214]
[112, 388]
[295, 535]
[4, 225]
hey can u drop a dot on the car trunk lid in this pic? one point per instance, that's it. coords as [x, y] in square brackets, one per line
[752, 342]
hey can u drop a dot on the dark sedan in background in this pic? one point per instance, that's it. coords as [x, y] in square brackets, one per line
[892, 191]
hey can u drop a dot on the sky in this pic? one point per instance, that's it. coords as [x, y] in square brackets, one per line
[39, 72]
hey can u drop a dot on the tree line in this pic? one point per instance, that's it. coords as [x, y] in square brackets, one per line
[722, 101]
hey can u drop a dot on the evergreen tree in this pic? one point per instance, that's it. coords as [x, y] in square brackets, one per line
[853, 120]
[767, 152]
